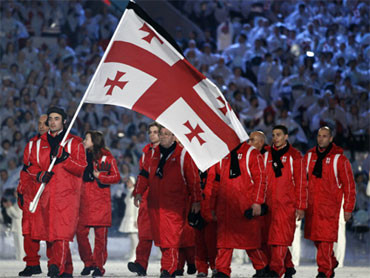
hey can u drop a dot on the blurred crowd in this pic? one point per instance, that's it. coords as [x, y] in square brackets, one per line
[300, 64]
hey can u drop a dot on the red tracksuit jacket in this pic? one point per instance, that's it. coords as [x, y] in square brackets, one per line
[326, 194]
[56, 215]
[95, 206]
[234, 196]
[168, 197]
[284, 195]
[27, 188]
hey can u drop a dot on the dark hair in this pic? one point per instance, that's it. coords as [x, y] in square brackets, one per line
[282, 128]
[98, 141]
[57, 110]
[154, 124]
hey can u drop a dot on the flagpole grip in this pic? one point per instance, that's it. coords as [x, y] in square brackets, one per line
[35, 201]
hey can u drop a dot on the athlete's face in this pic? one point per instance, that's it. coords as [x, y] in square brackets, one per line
[88, 144]
[55, 122]
[256, 140]
[324, 138]
[166, 138]
[42, 127]
[279, 138]
[154, 134]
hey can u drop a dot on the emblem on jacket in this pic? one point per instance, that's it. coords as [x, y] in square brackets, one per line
[240, 155]
[327, 160]
[283, 159]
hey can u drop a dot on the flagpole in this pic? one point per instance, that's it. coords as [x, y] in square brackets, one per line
[35, 201]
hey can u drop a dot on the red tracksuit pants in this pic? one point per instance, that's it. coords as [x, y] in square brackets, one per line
[186, 254]
[143, 249]
[325, 258]
[99, 257]
[280, 258]
[60, 255]
[206, 247]
[170, 259]
[31, 248]
[288, 260]
[224, 257]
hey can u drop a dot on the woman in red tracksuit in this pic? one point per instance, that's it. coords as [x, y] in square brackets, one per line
[95, 207]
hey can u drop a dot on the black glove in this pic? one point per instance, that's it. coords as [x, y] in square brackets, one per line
[20, 198]
[60, 154]
[44, 176]
[249, 212]
[88, 175]
[25, 167]
[196, 220]
[102, 185]
[104, 167]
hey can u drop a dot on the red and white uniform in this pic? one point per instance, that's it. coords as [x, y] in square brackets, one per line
[265, 225]
[206, 239]
[144, 246]
[285, 194]
[234, 197]
[325, 200]
[28, 189]
[56, 216]
[168, 200]
[143, 222]
[96, 212]
[187, 245]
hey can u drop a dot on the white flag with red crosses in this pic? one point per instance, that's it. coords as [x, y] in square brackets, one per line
[143, 70]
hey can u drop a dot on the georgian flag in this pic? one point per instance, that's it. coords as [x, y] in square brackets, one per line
[143, 70]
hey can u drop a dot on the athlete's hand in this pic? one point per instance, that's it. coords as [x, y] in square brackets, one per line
[347, 216]
[299, 213]
[195, 207]
[256, 209]
[137, 200]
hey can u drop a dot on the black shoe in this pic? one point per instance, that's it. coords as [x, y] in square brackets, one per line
[273, 274]
[201, 275]
[336, 265]
[289, 272]
[264, 272]
[191, 269]
[321, 275]
[179, 272]
[54, 271]
[220, 275]
[136, 268]
[165, 274]
[29, 270]
[97, 273]
[64, 274]
[87, 270]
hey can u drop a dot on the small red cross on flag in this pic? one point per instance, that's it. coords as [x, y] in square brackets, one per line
[161, 84]
[194, 132]
[115, 82]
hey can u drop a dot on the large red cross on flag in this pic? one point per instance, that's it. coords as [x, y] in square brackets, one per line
[142, 70]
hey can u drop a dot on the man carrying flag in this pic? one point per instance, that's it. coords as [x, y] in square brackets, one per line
[60, 202]
[143, 70]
